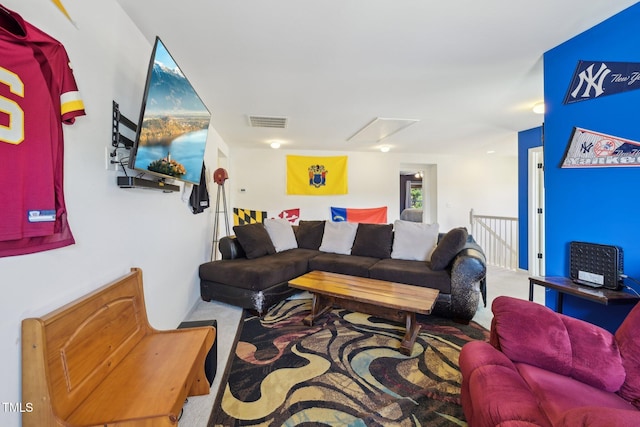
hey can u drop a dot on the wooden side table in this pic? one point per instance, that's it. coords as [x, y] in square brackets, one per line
[564, 285]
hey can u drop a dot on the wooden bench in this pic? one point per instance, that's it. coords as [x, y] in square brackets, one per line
[97, 362]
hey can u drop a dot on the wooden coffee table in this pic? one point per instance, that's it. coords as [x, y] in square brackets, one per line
[394, 301]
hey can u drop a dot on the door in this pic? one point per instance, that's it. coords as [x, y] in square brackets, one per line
[536, 212]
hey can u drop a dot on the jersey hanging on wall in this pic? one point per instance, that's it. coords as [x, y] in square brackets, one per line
[37, 94]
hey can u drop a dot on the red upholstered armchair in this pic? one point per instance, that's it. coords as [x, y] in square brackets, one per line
[542, 368]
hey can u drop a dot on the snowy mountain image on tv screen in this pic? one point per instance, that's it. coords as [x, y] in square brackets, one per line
[174, 128]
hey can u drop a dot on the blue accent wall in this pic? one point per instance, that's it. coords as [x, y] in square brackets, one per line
[526, 139]
[598, 205]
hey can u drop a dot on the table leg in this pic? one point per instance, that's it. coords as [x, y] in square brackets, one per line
[319, 306]
[530, 291]
[560, 302]
[410, 336]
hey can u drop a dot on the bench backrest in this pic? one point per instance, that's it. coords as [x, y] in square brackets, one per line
[68, 352]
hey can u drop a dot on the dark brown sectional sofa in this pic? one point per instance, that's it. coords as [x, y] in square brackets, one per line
[254, 275]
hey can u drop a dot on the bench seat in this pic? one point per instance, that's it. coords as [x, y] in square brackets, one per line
[98, 362]
[143, 391]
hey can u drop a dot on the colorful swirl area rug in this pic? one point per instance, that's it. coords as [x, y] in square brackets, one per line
[345, 370]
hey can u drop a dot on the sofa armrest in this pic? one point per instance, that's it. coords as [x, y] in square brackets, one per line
[493, 393]
[531, 333]
[230, 248]
[468, 269]
[473, 262]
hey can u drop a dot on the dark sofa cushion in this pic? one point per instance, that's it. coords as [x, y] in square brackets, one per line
[309, 234]
[373, 240]
[254, 239]
[412, 273]
[343, 264]
[446, 250]
[260, 273]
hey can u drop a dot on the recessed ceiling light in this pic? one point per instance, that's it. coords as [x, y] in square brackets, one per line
[491, 152]
[538, 108]
[275, 145]
[385, 148]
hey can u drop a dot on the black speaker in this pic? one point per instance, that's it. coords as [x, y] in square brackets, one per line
[596, 265]
[211, 361]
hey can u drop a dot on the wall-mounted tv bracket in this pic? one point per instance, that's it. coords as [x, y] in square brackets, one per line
[117, 139]
[120, 141]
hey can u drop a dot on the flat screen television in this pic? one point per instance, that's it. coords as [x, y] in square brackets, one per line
[172, 129]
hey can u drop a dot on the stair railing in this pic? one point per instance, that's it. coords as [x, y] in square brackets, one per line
[498, 237]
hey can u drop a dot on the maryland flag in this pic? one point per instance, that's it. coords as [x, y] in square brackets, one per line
[246, 216]
[291, 215]
[316, 176]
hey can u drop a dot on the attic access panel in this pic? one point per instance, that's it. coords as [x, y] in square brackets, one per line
[380, 128]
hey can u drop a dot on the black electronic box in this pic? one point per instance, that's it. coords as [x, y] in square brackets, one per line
[596, 265]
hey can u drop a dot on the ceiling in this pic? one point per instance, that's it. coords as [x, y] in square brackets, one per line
[467, 72]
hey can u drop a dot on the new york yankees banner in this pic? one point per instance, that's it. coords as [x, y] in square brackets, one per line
[593, 149]
[593, 79]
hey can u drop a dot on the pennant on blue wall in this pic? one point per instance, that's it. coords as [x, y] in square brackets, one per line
[593, 79]
[594, 149]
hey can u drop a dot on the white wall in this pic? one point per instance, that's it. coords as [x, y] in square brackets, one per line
[487, 184]
[115, 229]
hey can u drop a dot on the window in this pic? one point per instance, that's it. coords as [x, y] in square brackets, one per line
[416, 194]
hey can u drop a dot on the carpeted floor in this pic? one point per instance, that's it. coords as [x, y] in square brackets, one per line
[345, 370]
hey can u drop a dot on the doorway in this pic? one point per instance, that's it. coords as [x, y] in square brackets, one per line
[418, 190]
[536, 211]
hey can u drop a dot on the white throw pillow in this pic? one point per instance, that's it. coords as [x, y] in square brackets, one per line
[281, 234]
[338, 237]
[414, 240]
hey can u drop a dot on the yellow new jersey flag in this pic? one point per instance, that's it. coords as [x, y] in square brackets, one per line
[317, 176]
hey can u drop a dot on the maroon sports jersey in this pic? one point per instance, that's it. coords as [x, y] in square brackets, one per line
[37, 94]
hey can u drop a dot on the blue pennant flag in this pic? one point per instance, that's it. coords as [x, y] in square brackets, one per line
[594, 79]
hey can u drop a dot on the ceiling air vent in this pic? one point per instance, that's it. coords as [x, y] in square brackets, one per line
[268, 122]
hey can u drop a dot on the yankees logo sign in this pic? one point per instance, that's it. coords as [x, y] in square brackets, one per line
[593, 79]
